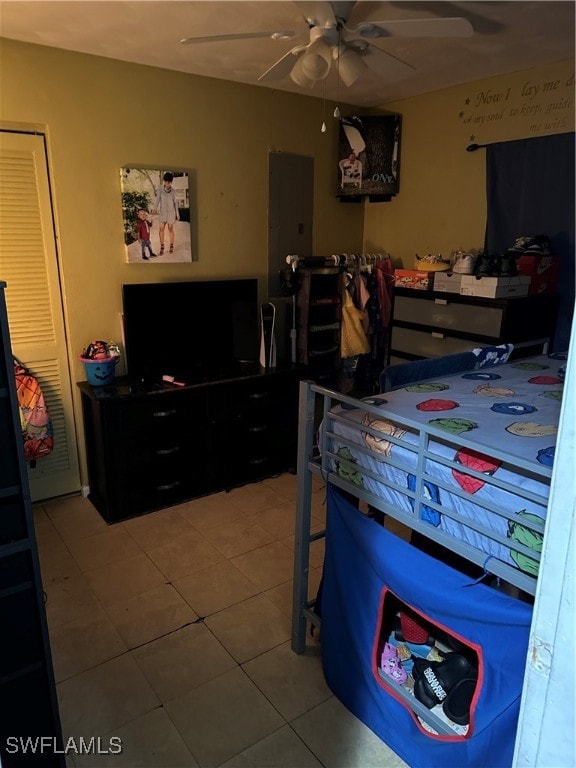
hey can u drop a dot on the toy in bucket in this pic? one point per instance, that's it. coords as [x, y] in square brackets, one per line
[100, 359]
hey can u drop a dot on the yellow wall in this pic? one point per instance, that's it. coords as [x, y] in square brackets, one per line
[101, 115]
[442, 201]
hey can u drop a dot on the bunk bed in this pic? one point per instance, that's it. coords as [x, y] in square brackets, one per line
[463, 460]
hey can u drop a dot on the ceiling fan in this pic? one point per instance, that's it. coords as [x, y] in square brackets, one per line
[352, 49]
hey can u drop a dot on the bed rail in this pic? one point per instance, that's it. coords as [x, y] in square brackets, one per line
[318, 458]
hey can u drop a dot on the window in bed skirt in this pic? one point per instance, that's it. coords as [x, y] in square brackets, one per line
[430, 663]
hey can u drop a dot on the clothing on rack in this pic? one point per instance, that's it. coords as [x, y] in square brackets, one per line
[366, 313]
[371, 287]
[353, 336]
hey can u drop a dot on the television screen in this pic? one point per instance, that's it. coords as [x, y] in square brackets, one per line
[194, 330]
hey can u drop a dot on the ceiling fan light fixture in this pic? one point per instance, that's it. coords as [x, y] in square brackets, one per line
[298, 76]
[350, 66]
[370, 31]
[317, 60]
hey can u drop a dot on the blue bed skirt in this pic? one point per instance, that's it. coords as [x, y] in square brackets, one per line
[363, 564]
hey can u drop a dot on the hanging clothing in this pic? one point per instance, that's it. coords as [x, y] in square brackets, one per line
[362, 298]
[354, 340]
[384, 272]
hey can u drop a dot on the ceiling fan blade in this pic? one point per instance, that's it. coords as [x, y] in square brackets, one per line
[449, 27]
[383, 62]
[319, 14]
[283, 66]
[278, 35]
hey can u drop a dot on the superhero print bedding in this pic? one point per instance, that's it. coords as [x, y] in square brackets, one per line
[475, 463]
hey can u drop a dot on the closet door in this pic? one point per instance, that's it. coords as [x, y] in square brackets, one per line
[29, 266]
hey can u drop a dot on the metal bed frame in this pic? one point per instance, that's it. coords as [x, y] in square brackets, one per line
[319, 459]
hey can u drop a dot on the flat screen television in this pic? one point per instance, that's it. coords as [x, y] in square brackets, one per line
[195, 331]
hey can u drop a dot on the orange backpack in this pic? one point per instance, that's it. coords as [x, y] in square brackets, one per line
[37, 430]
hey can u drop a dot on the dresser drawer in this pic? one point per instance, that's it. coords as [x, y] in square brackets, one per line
[426, 344]
[442, 313]
[148, 419]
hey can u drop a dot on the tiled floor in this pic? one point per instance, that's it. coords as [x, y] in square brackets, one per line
[171, 631]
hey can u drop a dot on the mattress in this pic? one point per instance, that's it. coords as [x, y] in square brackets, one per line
[469, 454]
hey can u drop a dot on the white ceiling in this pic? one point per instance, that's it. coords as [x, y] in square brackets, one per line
[508, 37]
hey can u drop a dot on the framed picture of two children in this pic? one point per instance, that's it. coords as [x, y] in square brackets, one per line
[156, 215]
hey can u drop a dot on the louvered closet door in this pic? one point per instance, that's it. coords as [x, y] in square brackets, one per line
[28, 264]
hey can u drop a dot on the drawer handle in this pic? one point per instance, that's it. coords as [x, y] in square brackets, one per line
[167, 451]
[164, 414]
[255, 462]
[168, 486]
[437, 335]
[262, 428]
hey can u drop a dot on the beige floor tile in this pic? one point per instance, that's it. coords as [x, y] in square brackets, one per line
[158, 528]
[101, 549]
[340, 740]
[282, 749]
[223, 717]
[316, 550]
[214, 588]
[314, 577]
[75, 518]
[104, 698]
[293, 683]
[238, 537]
[43, 526]
[316, 526]
[150, 741]
[185, 555]
[150, 615]
[254, 498]
[121, 581]
[318, 484]
[285, 485]
[69, 599]
[267, 566]
[56, 562]
[281, 595]
[279, 521]
[209, 512]
[316, 554]
[81, 645]
[182, 660]
[319, 505]
[250, 627]
[215, 713]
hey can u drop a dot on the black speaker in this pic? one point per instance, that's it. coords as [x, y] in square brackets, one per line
[267, 340]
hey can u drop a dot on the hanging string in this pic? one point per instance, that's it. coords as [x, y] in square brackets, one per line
[337, 110]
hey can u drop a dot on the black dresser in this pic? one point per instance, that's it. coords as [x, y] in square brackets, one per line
[151, 447]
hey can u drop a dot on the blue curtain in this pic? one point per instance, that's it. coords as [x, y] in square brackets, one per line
[530, 191]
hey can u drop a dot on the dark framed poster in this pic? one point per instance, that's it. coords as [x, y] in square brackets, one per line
[369, 156]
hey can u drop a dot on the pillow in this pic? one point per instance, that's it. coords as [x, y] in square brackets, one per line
[488, 356]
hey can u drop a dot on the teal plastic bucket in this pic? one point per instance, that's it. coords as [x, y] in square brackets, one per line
[100, 372]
